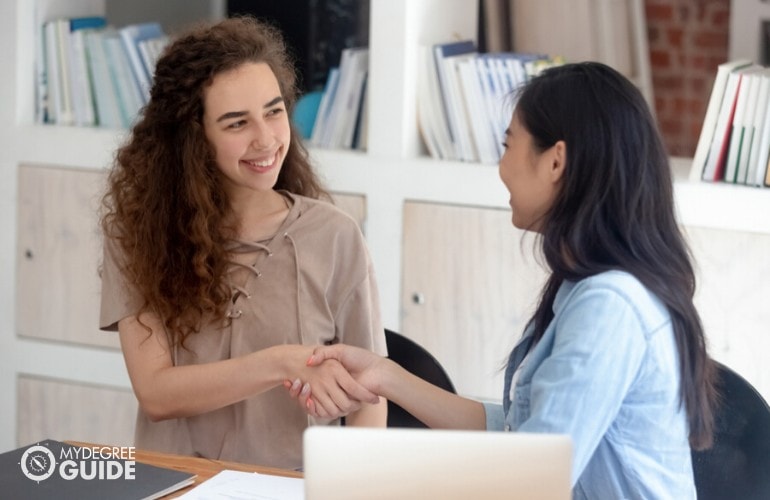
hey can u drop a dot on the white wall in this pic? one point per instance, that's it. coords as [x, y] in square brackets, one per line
[746, 18]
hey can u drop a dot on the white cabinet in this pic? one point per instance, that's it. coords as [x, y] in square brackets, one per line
[404, 225]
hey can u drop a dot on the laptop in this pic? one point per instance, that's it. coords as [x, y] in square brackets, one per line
[393, 464]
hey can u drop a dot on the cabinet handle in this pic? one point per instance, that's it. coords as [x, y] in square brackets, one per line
[418, 298]
[28, 254]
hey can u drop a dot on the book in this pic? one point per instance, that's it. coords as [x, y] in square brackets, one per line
[767, 173]
[761, 149]
[128, 92]
[80, 83]
[430, 107]
[52, 470]
[353, 95]
[151, 50]
[759, 146]
[324, 107]
[467, 149]
[749, 126]
[132, 35]
[340, 118]
[425, 116]
[481, 129]
[41, 87]
[714, 169]
[710, 120]
[57, 64]
[739, 135]
[108, 113]
[80, 77]
[447, 80]
[507, 73]
[361, 126]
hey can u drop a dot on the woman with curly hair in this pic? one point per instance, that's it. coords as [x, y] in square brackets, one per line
[223, 266]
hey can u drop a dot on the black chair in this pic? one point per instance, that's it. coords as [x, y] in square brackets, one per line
[415, 359]
[738, 465]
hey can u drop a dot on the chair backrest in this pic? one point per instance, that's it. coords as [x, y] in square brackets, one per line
[417, 360]
[738, 465]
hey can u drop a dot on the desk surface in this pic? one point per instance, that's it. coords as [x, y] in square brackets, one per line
[203, 467]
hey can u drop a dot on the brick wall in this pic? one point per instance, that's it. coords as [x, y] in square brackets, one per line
[688, 39]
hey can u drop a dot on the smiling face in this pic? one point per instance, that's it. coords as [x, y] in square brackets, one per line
[246, 121]
[532, 177]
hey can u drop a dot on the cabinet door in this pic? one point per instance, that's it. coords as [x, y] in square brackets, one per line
[732, 296]
[63, 410]
[470, 282]
[58, 255]
[352, 204]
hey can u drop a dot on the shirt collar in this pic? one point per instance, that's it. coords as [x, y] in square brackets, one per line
[561, 295]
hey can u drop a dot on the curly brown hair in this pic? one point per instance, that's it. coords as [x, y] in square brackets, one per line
[165, 207]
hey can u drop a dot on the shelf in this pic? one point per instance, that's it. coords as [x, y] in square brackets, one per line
[718, 205]
[702, 204]
[80, 147]
[723, 206]
[422, 178]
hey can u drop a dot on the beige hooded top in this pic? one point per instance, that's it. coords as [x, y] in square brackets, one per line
[312, 283]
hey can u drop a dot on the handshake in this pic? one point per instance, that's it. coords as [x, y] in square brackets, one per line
[338, 380]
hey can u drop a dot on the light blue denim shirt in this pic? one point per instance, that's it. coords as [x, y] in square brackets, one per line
[606, 372]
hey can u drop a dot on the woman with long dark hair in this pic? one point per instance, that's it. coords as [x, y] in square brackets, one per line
[615, 354]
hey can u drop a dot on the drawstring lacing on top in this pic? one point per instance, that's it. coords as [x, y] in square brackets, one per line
[237, 290]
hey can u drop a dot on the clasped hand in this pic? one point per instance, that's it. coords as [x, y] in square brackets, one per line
[349, 381]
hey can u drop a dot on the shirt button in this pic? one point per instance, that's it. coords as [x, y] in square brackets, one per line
[507, 428]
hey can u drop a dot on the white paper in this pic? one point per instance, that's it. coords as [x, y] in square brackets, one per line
[235, 485]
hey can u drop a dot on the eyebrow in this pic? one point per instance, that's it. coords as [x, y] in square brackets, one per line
[274, 102]
[237, 114]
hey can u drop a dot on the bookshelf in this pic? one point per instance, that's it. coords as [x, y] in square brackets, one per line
[393, 176]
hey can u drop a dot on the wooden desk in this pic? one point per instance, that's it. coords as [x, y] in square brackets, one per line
[205, 468]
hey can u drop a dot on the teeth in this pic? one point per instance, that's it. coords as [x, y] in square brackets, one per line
[264, 163]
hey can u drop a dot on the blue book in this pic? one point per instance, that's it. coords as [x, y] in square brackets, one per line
[79, 23]
[81, 85]
[108, 110]
[131, 36]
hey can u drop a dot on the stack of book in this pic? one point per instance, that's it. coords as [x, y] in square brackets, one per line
[90, 74]
[465, 99]
[340, 121]
[734, 145]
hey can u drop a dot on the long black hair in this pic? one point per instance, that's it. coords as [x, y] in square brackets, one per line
[615, 210]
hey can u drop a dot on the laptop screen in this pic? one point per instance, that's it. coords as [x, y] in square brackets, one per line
[366, 463]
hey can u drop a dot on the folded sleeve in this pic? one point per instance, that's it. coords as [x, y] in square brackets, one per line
[495, 416]
[118, 299]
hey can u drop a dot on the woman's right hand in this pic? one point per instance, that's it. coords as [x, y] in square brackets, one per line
[335, 392]
[363, 365]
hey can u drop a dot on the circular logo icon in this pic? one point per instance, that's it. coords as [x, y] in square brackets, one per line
[38, 463]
